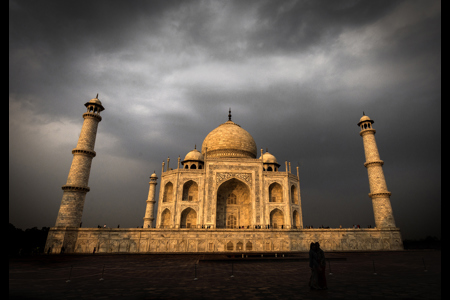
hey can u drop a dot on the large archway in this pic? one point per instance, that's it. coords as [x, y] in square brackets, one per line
[234, 205]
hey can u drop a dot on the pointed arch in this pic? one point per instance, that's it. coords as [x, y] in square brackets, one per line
[230, 246]
[188, 218]
[190, 191]
[233, 199]
[294, 194]
[240, 246]
[166, 219]
[295, 219]
[168, 192]
[275, 192]
[249, 246]
[276, 219]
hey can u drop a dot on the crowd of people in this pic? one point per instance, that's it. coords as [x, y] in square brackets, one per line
[317, 263]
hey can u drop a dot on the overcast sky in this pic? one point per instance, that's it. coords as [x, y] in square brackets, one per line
[297, 76]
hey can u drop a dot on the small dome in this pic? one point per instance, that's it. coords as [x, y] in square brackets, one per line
[364, 118]
[153, 175]
[194, 155]
[95, 101]
[268, 158]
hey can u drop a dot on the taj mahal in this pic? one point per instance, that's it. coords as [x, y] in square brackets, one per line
[223, 198]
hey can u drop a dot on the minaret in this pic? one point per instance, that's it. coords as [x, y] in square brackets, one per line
[148, 218]
[378, 190]
[72, 203]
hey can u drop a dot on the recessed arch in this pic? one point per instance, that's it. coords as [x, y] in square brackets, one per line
[166, 219]
[249, 246]
[294, 194]
[296, 219]
[190, 191]
[168, 192]
[233, 198]
[240, 246]
[188, 218]
[277, 219]
[230, 246]
[275, 192]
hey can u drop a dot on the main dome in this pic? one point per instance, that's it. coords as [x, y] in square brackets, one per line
[229, 140]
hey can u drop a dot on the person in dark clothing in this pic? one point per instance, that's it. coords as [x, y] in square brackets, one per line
[314, 265]
[322, 264]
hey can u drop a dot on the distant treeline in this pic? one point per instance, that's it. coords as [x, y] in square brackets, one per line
[30, 241]
[430, 242]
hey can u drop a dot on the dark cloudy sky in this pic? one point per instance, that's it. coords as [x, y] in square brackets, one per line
[296, 74]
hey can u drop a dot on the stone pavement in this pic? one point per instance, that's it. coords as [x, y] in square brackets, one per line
[399, 275]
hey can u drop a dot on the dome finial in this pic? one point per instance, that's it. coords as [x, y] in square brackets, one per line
[364, 113]
[229, 114]
[195, 147]
[96, 97]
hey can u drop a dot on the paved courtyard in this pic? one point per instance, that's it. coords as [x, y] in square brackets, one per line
[399, 275]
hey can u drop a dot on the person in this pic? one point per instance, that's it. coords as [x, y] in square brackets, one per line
[322, 264]
[314, 265]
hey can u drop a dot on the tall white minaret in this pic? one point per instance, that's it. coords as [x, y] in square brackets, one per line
[148, 217]
[76, 187]
[378, 190]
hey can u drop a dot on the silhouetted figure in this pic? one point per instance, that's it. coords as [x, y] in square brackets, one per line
[314, 265]
[322, 264]
[62, 250]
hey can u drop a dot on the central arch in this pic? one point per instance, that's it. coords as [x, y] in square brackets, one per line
[233, 205]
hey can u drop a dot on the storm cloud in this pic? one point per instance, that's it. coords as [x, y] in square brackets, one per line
[297, 76]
